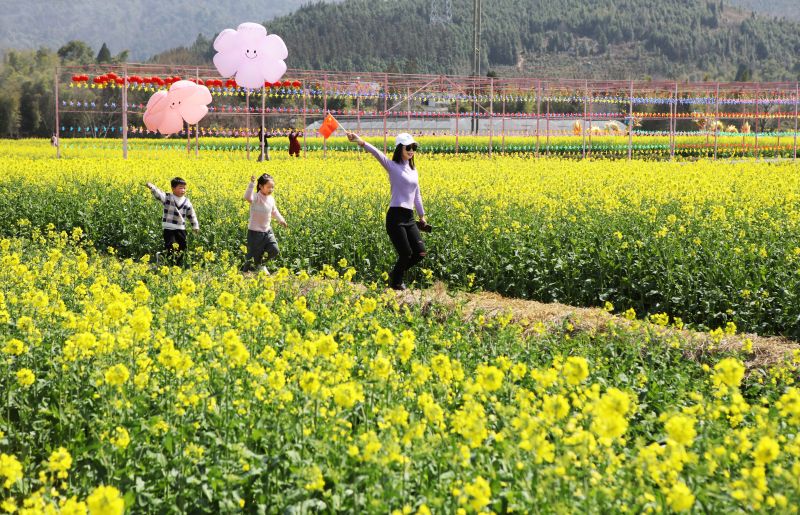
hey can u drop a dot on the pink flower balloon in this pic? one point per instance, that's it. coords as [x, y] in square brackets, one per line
[185, 101]
[251, 55]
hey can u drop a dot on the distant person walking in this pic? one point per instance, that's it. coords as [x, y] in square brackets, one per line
[294, 143]
[403, 231]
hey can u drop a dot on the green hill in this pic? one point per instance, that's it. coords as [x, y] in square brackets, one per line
[610, 39]
[144, 27]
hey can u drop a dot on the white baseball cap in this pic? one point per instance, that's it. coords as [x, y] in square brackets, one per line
[404, 138]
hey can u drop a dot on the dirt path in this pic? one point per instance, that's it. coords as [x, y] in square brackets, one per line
[766, 351]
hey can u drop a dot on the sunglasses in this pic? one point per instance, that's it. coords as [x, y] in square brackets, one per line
[411, 147]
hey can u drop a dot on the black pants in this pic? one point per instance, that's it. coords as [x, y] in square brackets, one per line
[171, 238]
[404, 234]
[259, 243]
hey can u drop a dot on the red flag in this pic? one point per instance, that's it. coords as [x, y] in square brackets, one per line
[329, 126]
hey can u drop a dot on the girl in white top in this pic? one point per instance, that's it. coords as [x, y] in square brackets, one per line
[260, 238]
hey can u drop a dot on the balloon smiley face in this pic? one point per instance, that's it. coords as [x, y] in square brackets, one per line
[250, 55]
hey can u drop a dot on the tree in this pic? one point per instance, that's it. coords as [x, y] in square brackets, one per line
[76, 52]
[744, 73]
[104, 55]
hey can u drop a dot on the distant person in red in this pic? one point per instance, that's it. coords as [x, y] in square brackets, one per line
[294, 143]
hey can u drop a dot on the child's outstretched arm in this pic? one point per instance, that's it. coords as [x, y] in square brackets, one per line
[279, 217]
[157, 193]
[192, 217]
[248, 193]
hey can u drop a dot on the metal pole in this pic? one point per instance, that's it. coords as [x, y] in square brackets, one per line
[324, 114]
[630, 125]
[457, 116]
[247, 123]
[585, 109]
[503, 126]
[263, 124]
[547, 128]
[755, 129]
[673, 113]
[491, 113]
[408, 107]
[538, 112]
[796, 94]
[716, 121]
[385, 107]
[305, 96]
[125, 112]
[197, 125]
[58, 118]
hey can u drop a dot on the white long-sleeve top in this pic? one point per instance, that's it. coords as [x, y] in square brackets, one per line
[262, 209]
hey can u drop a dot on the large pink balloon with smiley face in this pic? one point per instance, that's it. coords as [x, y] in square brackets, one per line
[184, 102]
[250, 54]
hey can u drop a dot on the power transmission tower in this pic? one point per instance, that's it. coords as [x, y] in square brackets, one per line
[441, 12]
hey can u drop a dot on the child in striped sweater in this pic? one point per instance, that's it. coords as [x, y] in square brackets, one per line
[177, 211]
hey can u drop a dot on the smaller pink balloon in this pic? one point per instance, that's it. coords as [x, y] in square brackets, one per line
[184, 102]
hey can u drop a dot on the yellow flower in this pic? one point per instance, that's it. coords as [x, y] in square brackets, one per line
[576, 369]
[14, 347]
[384, 336]
[346, 395]
[316, 481]
[729, 372]
[105, 500]
[10, 469]
[490, 377]
[225, 300]
[25, 377]
[235, 351]
[73, 506]
[121, 438]
[680, 429]
[766, 451]
[60, 462]
[478, 494]
[117, 375]
[679, 497]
